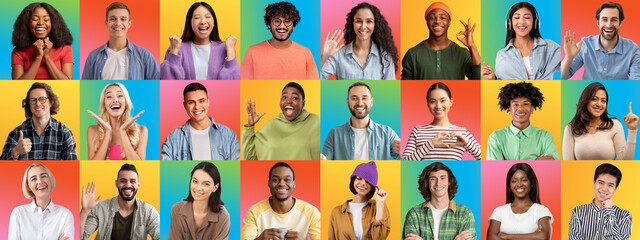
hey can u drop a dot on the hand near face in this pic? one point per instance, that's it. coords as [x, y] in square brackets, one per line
[230, 42]
[607, 203]
[128, 123]
[631, 120]
[380, 196]
[23, 146]
[487, 72]
[252, 117]
[544, 156]
[271, 233]
[293, 235]
[176, 42]
[38, 47]
[464, 235]
[396, 146]
[88, 200]
[332, 44]
[105, 125]
[466, 36]
[47, 46]
[570, 48]
[412, 236]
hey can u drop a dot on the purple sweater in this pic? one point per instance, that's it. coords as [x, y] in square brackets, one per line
[180, 67]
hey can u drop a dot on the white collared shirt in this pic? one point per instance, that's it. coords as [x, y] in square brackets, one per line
[30, 222]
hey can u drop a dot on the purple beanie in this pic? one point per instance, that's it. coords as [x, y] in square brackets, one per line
[367, 171]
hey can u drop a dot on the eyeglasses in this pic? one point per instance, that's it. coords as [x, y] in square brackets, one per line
[42, 100]
[277, 21]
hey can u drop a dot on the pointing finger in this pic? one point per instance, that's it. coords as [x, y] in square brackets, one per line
[630, 107]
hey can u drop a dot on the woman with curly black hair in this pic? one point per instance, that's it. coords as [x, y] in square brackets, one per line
[370, 52]
[42, 44]
[593, 135]
[520, 140]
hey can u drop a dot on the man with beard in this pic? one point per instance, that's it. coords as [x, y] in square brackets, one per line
[361, 138]
[279, 57]
[281, 216]
[121, 217]
[604, 56]
[438, 57]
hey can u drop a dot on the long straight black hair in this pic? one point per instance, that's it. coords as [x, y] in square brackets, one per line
[188, 34]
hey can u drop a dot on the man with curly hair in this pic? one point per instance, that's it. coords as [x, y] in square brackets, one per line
[279, 57]
[520, 140]
[40, 137]
[439, 217]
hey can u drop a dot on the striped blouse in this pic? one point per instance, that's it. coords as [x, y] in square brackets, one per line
[420, 147]
[592, 222]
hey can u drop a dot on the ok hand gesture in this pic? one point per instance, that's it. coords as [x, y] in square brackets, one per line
[466, 36]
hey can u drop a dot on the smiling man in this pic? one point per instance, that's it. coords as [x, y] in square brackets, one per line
[361, 138]
[281, 214]
[600, 219]
[439, 217]
[520, 140]
[200, 138]
[438, 57]
[122, 217]
[120, 59]
[604, 56]
[40, 137]
[279, 57]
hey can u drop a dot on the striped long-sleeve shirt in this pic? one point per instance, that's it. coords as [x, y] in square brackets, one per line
[420, 147]
[592, 222]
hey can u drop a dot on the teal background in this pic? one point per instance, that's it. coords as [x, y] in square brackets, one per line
[144, 95]
[620, 93]
[70, 11]
[175, 177]
[467, 174]
[253, 29]
[335, 111]
[494, 32]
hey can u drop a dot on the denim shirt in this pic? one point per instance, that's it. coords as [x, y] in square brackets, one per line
[346, 66]
[621, 63]
[224, 143]
[142, 64]
[544, 58]
[340, 143]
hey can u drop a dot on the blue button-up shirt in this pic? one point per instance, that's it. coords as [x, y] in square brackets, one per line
[622, 62]
[346, 66]
[544, 58]
[223, 141]
[340, 143]
[142, 64]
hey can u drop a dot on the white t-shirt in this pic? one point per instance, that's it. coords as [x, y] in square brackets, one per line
[512, 223]
[201, 59]
[361, 144]
[437, 219]
[356, 211]
[200, 142]
[117, 65]
[527, 66]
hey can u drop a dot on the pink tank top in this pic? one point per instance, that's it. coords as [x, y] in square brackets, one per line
[116, 152]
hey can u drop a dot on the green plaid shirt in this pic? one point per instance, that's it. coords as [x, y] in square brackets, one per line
[456, 219]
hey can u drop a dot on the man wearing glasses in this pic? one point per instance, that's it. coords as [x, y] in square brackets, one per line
[40, 137]
[279, 57]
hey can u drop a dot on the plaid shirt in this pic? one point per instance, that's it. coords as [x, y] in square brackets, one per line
[55, 143]
[456, 219]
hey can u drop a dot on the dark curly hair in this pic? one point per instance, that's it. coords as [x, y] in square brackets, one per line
[53, 99]
[534, 192]
[188, 34]
[521, 89]
[22, 36]
[423, 181]
[282, 9]
[381, 35]
[583, 117]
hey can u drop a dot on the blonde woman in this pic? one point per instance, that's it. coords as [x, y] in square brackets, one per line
[40, 219]
[116, 136]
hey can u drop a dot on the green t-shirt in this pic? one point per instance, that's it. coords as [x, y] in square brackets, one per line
[453, 62]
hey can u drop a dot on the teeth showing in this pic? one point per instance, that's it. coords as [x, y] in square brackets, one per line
[281, 31]
[288, 107]
[118, 29]
[115, 107]
[41, 188]
[198, 112]
[520, 190]
[40, 29]
[282, 190]
[437, 28]
[520, 114]
[522, 28]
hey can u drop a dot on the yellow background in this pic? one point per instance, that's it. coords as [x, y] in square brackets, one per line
[334, 189]
[577, 189]
[173, 14]
[13, 92]
[547, 118]
[105, 174]
[414, 28]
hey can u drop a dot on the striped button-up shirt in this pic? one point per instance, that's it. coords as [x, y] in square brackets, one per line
[456, 218]
[55, 143]
[592, 222]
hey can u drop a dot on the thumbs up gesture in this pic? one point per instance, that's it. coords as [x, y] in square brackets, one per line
[24, 145]
[631, 120]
